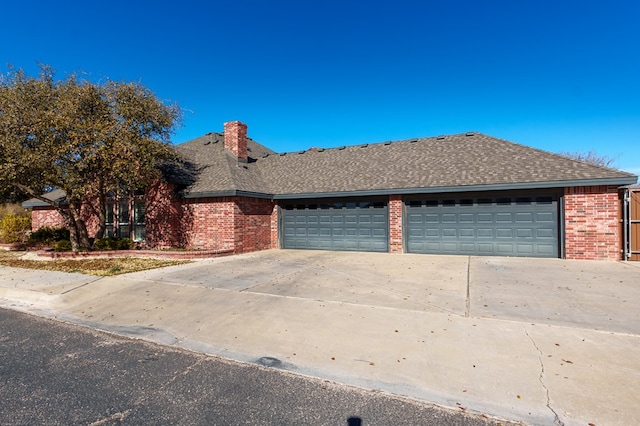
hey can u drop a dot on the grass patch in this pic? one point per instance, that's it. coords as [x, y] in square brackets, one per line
[101, 267]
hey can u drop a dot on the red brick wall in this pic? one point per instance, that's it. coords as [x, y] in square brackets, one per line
[253, 224]
[275, 240]
[591, 223]
[240, 224]
[48, 216]
[45, 216]
[395, 224]
[164, 212]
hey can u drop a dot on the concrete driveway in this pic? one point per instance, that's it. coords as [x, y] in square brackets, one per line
[584, 294]
[536, 340]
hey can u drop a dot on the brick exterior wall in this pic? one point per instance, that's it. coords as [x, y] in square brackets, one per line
[45, 216]
[49, 217]
[222, 224]
[275, 236]
[239, 224]
[395, 224]
[253, 217]
[592, 223]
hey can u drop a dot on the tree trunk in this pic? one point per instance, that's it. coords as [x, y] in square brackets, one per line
[78, 228]
[100, 212]
[71, 226]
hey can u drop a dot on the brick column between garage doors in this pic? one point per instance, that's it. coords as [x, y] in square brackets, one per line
[591, 223]
[395, 224]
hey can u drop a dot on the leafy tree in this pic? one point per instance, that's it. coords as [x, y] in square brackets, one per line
[591, 157]
[84, 138]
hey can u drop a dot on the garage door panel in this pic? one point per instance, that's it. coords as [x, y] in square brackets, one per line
[485, 217]
[526, 249]
[485, 233]
[467, 247]
[485, 248]
[487, 225]
[524, 217]
[432, 232]
[381, 219]
[450, 247]
[432, 218]
[449, 232]
[448, 218]
[466, 218]
[467, 233]
[524, 233]
[544, 218]
[545, 233]
[380, 235]
[505, 249]
[504, 217]
[504, 233]
[364, 219]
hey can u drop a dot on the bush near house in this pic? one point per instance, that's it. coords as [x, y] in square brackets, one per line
[8, 208]
[113, 243]
[48, 236]
[62, 245]
[15, 228]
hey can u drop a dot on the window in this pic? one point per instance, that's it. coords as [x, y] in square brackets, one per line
[138, 220]
[109, 231]
[125, 217]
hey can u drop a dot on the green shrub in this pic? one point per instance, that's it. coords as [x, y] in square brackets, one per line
[113, 243]
[47, 235]
[62, 245]
[15, 228]
[8, 208]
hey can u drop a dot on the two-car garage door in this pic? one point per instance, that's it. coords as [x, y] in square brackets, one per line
[484, 225]
[492, 224]
[357, 225]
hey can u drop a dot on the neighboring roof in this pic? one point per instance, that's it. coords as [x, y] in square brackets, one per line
[464, 162]
[57, 195]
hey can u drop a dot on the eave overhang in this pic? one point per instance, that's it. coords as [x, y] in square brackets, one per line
[463, 188]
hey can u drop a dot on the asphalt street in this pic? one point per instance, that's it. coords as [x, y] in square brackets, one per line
[57, 373]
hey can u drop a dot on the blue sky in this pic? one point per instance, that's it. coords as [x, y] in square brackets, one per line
[555, 75]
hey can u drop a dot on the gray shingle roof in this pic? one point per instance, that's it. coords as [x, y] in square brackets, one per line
[455, 162]
[218, 171]
[57, 195]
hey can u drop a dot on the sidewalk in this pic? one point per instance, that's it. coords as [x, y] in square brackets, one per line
[475, 357]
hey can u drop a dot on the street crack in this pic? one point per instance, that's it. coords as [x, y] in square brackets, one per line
[556, 420]
[121, 415]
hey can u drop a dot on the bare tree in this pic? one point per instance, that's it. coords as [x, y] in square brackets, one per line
[591, 157]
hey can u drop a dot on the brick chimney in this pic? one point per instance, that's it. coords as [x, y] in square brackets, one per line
[235, 139]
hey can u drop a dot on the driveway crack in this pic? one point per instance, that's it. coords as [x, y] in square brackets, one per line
[556, 420]
[467, 308]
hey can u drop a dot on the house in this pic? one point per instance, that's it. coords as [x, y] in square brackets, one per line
[468, 194]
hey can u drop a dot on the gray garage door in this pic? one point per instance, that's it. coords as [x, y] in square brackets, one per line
[494, 226]
[340, 225]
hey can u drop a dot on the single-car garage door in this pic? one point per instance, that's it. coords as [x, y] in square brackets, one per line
[484, 225]
[359, 225]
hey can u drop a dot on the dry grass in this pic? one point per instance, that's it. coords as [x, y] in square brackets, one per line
[101, 267]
